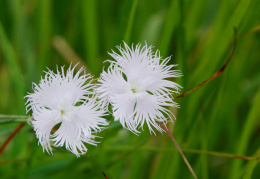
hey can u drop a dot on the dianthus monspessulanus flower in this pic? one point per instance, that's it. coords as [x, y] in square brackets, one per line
[68, 100]
[138, 88]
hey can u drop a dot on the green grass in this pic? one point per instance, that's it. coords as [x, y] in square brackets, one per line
[222, 116]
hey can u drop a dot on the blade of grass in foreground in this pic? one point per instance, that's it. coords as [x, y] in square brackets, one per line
[13, 67]
[45, 32]
[245, 135]
[251, 166]
[203, 138]
[89, 13]
[171, 22]
[220, 32]
[130, 22]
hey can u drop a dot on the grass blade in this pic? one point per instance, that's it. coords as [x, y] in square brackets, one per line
[130, 22]
[14, 69]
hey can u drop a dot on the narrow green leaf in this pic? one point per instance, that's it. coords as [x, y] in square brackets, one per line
[44, 32]
[245, 135]
[130, 22]
[14, 69]
[90, 26]
[251, 166]
[171, 22]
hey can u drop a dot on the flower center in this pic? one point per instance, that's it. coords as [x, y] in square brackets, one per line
[136, 90]
[133, 90]
[63, 115]
[62, 111]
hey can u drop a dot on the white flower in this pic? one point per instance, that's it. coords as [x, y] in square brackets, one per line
[138, 88]
[67, 100]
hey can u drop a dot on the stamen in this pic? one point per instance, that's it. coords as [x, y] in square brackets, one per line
[133, 90]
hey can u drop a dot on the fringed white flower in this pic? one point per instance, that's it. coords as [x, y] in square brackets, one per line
[66, 102]
[138, 87]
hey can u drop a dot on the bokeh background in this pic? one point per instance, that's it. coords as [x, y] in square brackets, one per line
[222, 116]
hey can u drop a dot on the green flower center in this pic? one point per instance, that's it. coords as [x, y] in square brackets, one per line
[62, 111]
[133, 90]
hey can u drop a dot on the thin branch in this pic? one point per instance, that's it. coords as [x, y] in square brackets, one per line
[191, 151]
[219, 72]
[4, 116]
[104, 175]
[17, 129]
[219, 154]
[251, 31]
[178, 147]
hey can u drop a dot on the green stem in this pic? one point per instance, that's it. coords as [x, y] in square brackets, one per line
[191, 151]
[4, 119]
[179, 149]
[4, 116]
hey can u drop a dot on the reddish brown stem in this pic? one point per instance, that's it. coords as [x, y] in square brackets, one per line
[12, 160]
[17, 129]
[105, 175]
[215, 75]
[179, 149]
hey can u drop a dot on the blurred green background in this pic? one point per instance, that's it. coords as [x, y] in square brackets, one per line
[222, 116]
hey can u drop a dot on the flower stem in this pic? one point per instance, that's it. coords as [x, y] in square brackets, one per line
[104, 175]
[178, 147]
[3, 116]
[17, 129]
[191, 151]
[4, 119]
[216, 74]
